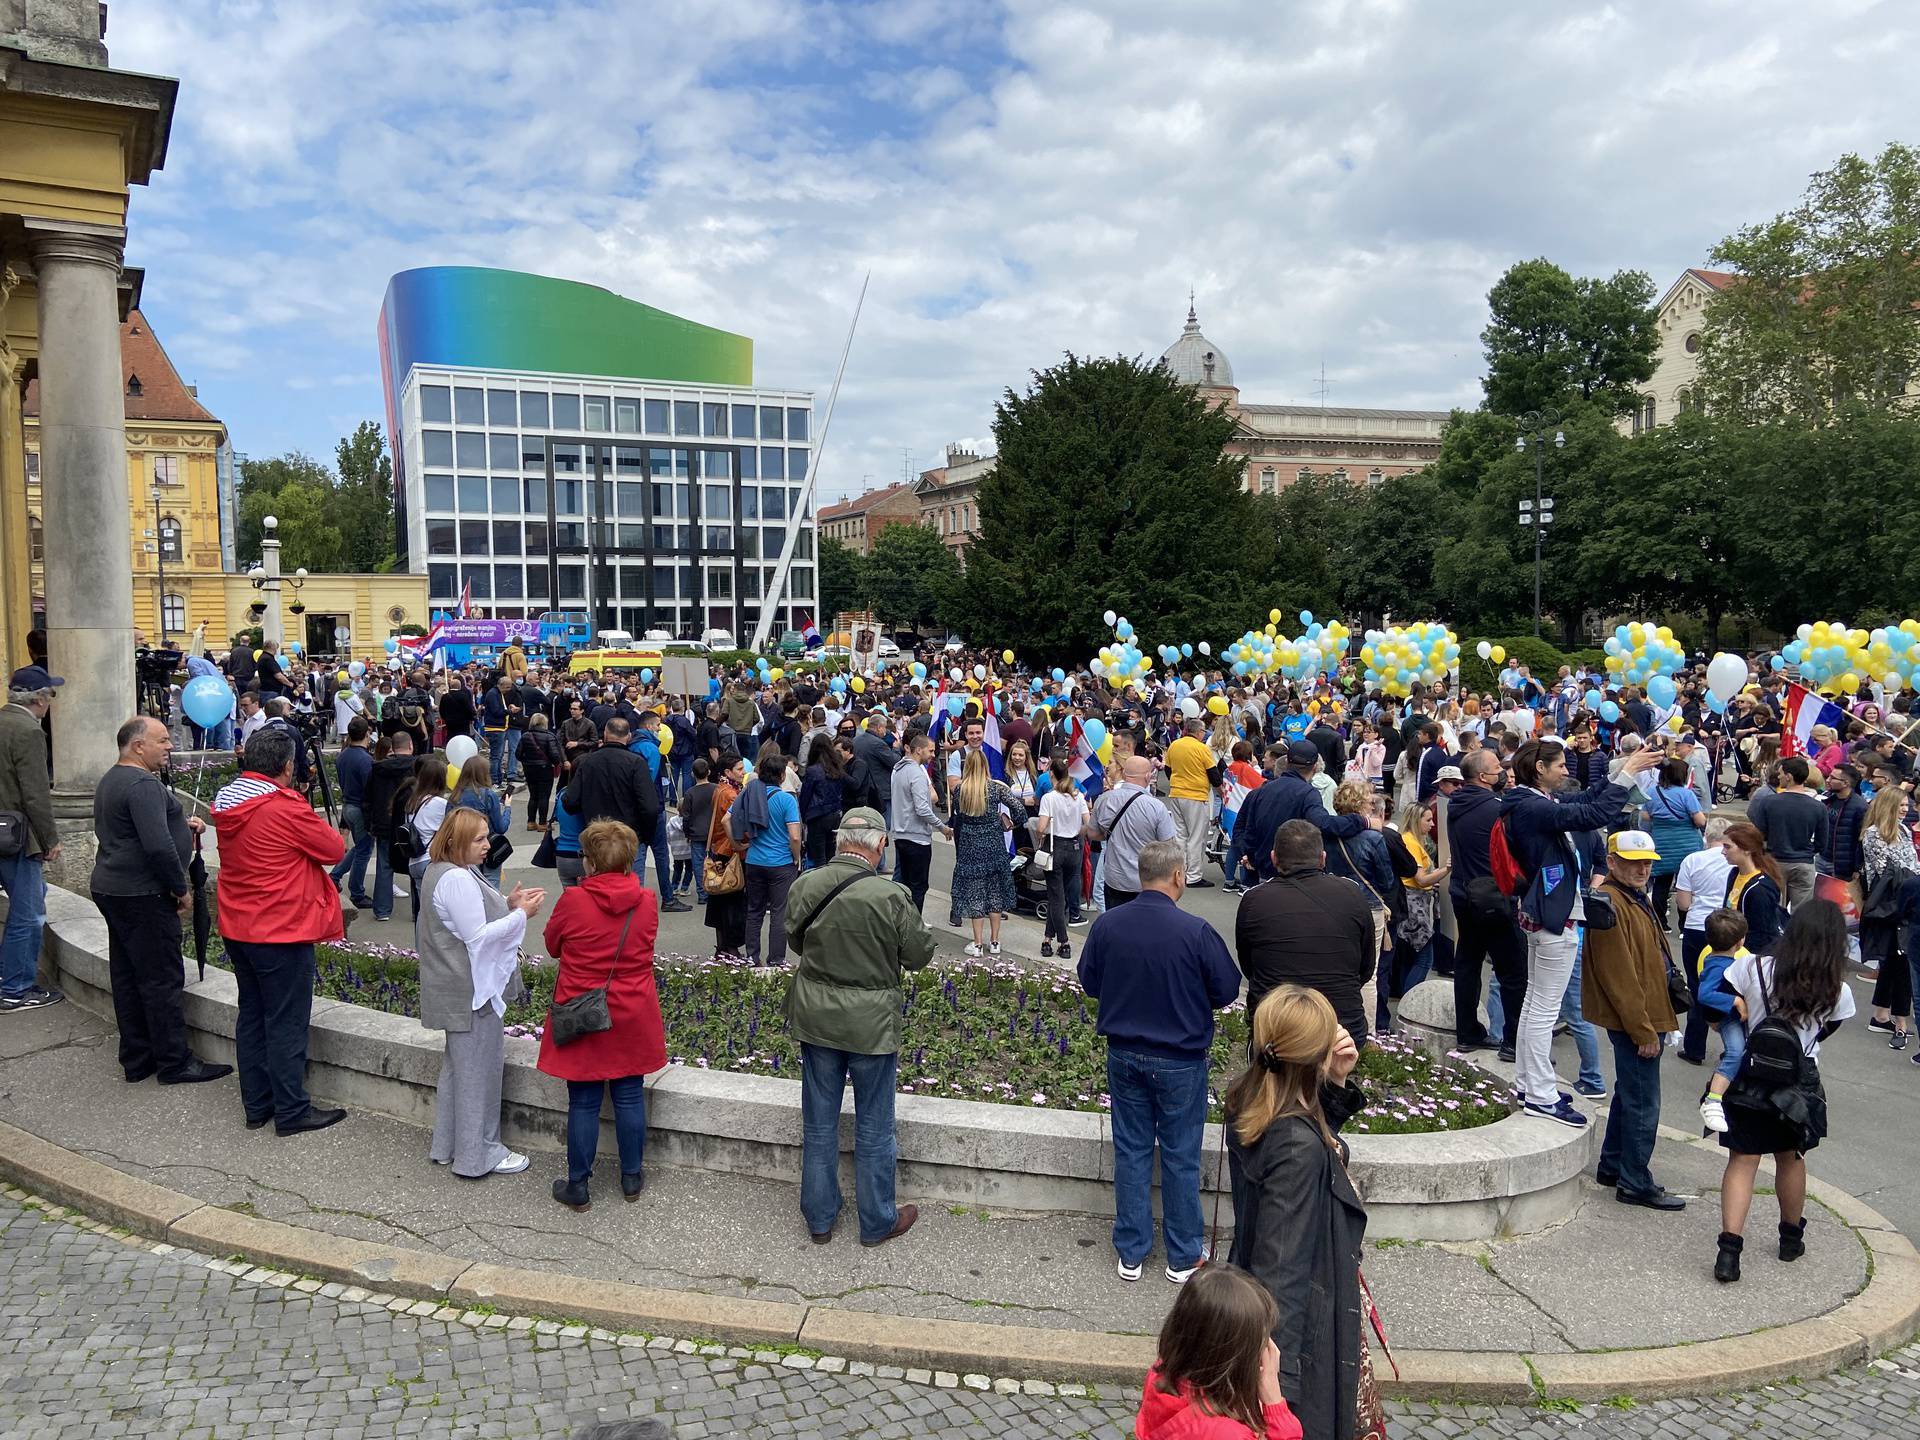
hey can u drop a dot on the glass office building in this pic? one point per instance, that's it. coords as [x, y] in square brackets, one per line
[561, 448]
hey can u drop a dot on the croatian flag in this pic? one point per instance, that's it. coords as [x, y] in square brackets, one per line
[466, 600]
[990, 738]
[1804, 710]
[809, 632]
[1085, 768]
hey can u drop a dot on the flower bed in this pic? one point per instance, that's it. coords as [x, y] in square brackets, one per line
[974, 1031]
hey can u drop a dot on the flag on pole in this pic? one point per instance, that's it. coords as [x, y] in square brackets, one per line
[809, 632]
[466, 600]
[1085, 768]
[990, 738]
[1804, 710]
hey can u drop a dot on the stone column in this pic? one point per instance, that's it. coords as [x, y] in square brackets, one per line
[85, 504]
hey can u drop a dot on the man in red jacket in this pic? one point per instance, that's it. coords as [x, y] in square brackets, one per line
[276, 901]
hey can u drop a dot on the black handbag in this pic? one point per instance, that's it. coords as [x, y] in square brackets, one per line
[1598, 908]
[587, 1013]
[546, 855]
[13, 834]
[498, 849]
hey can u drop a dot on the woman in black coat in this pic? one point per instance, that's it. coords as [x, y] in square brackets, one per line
[1298, 1222]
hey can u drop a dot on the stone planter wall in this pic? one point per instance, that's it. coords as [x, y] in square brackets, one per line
[1506, 1178]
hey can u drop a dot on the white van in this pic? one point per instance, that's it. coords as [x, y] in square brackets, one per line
[613, 640]
[720, 639]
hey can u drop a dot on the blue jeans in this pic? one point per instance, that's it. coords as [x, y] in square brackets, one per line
[1633, 1118]
[1733, 1046]
[1157, 1100]
[662, 862]
[1236, 853]
[697, 853]
[823, 1080]
[24, 878]
[1584, 1039]
[514, 737]
[497, 753]
[682, 768]
[270, 1034]
[354, 863]
[1097, 901]
[583, 1124]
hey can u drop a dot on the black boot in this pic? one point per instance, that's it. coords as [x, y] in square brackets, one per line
[1793, 1239]
[574, 1197]
[632, 1185]
[1726, 1266]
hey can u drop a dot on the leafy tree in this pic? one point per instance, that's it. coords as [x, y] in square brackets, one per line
[1312, 523]
[309, 533]
[1386, 566]
[1557, 340]
[910, 575]
[365, 498]
[842, 581]
[1824, 309]
[1112, 491]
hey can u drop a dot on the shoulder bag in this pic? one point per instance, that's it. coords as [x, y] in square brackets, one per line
[587, 1013]
[498, 849]
[798, 938]
[1379, 900]
[13, 834]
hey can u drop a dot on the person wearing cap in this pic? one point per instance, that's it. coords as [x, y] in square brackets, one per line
[1447, 779]
[1290, 795]
[26, 790]
[856, 933]
[1624, 991]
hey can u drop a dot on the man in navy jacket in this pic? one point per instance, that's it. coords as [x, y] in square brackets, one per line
[1487, 929]
[1288, 796]
[1539, 822]
[1159, 974]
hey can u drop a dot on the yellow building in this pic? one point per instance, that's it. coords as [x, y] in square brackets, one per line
[181, 547]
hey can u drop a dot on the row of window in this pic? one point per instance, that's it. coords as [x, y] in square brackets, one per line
[603, 414]
[471, 450]
[510, 537]
[166, 468]
[629, 499]
[1270, 480]
[670, 582]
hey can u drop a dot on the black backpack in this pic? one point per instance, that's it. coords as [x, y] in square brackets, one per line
[1775, 1059]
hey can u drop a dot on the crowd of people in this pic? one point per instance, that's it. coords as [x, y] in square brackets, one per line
[1571, 866]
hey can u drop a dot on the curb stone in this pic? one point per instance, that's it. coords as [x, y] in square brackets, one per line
[1004, 1358]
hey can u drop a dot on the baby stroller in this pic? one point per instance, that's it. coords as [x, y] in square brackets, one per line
[1029, 884]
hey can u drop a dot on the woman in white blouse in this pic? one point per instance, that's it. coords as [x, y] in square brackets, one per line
[1061, 826]
[469, 938]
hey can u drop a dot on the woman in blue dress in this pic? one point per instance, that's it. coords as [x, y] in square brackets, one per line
[982, 812]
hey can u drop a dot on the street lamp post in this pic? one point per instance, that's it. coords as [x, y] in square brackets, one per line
[1536, 514]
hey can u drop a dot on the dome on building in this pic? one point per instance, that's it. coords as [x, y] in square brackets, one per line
[1195, 360]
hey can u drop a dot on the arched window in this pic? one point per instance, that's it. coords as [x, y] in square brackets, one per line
[1647, 414]
[36, 540]
[1341, 474]
[170, 539]
[173, 613]
[1269, 482]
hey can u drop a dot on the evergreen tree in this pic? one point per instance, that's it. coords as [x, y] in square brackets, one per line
[1111, 491]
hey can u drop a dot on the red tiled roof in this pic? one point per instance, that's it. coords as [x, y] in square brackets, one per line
[163, 394]
[860, 504]
[1718, 279]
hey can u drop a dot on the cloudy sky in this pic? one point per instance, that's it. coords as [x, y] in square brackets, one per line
[1338, 181]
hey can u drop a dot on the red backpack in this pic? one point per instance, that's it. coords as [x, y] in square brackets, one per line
[1500, 862]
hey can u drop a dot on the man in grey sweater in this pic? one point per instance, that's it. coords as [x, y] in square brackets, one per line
[914, 818]
[140, 884]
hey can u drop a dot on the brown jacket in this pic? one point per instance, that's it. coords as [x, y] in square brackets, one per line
[24, 783]
[1623, 976]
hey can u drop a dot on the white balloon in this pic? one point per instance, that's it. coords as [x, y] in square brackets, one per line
[460, 749]
[979, 672]
[1099, 666]
[1190, 708]
[956, 673]
[1484, 650]
[1726, 674]
[1109, 617]
[1205, 648]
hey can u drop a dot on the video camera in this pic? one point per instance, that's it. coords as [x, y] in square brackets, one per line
[156, 665]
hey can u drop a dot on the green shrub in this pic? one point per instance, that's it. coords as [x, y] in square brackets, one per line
[1482, 676]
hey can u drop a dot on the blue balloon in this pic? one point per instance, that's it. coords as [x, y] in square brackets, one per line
[1306, 617]
[1716, 704]
[1777, 664]
[393, 647]
[1187, 651]
[646, 675]
[1609, 711]
[1058, 673]
[207, 700]
[1036, 685]
[1593, 699]
[1096, 732]
[955, 706]
[1660, 690]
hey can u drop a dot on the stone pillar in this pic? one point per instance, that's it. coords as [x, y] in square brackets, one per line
[85, 505]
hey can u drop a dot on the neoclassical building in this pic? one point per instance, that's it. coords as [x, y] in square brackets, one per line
[1279, 444]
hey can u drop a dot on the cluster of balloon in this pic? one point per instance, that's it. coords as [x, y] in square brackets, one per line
[1835, 660]
[460, 749]
[769, 672]
[1726, 677]
[1172, 655]
[1401, 655]
[1637, 652]
[1491, 653]
[1895, 655]
[1319, 648]
[1121, 663]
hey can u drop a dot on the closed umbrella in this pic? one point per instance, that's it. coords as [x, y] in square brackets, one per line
[202, 906]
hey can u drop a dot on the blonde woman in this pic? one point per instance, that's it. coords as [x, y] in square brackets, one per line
[1886, 847]
[469, 938]
[983, 811]
[1298, 1221]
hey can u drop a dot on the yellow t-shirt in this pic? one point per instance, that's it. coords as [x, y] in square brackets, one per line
[1188, 761]
[1419, 854]
[1734, 889]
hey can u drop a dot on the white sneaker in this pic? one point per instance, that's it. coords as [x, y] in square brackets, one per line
[1180, 1277]
[974, 950]
[993, 949]
[1713, 1115]
[512, 1165]
[1127, 1272]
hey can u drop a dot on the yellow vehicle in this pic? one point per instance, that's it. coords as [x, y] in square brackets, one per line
[614, 662]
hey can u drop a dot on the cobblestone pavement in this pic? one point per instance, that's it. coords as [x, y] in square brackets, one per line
[100, 1338]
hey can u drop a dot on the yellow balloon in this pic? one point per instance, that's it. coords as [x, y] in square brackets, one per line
[666, 740]
[344, 678]
[859, 684]
[258, 653]
[1273, 617]
[1217, 705]
[1676, 724]
[1105, 753]
[776, 672]
[1006, 657]
[1499, 654]
[1850, 683]
[453, 773]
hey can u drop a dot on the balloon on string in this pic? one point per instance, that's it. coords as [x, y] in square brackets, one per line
[460, 749]
[1058, 673]
[1006, 657]
[1609, 711]
[1484, 650]
[1725, 675]
[1096, 732]
[1206, 647]
[956, 706]
[393, 645]
[1109, 618]
[1661, 690]
[1593, 699]
[356, 669]
[1217, 705]
[207, 700]
[1190, 708]
[859, 685]
[646, 675]
[919, 670]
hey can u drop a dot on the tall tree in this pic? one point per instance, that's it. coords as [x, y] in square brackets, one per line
[1557, 340]
[261, 485]
[842, 583]
[1826, 306]
[910, 575]
[365, 498]
[1111, 491]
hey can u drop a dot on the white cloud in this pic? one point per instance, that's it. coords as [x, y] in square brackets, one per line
[1338, 179]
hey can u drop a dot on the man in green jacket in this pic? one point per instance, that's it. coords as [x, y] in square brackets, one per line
[856, 934]
[27, 791]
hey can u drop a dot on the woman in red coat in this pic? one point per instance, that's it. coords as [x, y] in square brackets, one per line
[602, 933]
